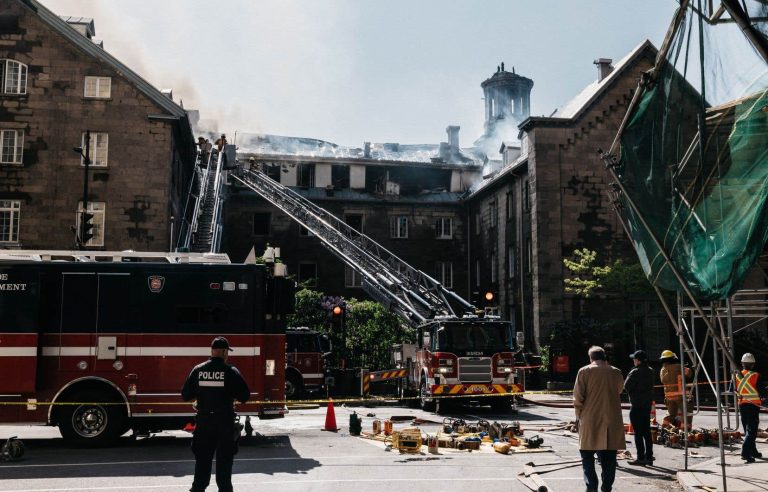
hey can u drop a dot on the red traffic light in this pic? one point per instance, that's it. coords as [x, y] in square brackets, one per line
[489, 296]
[337, 310]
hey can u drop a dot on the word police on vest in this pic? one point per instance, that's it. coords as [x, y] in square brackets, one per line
[210, 378]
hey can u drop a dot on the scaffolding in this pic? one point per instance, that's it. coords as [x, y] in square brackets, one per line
[690, 185]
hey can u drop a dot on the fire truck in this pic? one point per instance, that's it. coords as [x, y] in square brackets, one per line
[460, 352]
[305, 356]
[98, 343]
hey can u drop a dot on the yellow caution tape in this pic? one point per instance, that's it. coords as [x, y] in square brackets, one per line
[366, 399]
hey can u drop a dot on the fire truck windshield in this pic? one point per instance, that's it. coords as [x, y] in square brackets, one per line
[475, 336]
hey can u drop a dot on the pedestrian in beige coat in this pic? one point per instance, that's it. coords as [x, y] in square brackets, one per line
[597, 401]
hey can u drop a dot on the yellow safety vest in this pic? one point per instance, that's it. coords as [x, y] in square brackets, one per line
[746, 387]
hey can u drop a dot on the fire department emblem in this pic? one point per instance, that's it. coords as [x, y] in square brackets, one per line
[156, 283]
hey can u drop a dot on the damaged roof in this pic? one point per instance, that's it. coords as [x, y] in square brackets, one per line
[279, 145]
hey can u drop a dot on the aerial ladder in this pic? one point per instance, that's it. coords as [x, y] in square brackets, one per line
[410, 293]
[459, 354]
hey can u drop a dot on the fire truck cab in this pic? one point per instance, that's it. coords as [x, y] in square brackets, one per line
[471, 358]
[101, 344]
[306, 352]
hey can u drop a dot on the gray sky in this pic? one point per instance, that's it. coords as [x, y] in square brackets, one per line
[350, 71]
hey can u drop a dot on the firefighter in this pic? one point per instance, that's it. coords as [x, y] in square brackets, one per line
[671, 378]
[750, 390]
[215, 384]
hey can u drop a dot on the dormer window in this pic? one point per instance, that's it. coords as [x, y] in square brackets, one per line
[13, 77]
[98, 87]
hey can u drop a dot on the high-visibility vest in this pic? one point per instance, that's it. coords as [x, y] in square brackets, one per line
[746, 387]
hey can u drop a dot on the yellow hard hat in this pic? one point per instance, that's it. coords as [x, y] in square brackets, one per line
[668, 354]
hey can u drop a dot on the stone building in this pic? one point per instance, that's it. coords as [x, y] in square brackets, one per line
[550, 197]
[406, 197]
[57, 83]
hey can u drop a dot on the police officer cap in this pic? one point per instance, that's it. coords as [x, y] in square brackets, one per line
[220, 343]
[639, 355]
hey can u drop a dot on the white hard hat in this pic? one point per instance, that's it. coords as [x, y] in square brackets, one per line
[748, 358]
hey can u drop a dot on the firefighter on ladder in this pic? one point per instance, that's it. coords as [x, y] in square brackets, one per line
[672, 379]
[751, 392]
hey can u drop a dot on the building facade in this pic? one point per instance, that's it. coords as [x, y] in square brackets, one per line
[59, 85]
[549, 198]
[405, 197]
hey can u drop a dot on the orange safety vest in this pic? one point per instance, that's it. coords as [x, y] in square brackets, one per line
[746, 387]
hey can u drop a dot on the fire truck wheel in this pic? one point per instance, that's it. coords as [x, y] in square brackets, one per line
[293, 386]
[427, 404]
[92, 424]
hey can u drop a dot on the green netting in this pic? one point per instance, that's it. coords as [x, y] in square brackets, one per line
[694, 158]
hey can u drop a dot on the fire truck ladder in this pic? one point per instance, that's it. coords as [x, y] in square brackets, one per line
[202, 234]
[409, 293]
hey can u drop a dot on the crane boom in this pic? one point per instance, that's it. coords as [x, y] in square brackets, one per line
[410, 293]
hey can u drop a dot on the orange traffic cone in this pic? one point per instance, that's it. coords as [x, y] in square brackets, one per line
[330, 418]
[653, 413]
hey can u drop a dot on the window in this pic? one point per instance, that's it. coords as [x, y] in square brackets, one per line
[304, 232]
[352, 278]
[477, 273]
[493, 267]
[308, 272]
[529, 257]
[97, 150]
[306, 176]
[510, 206]
[398, 227]
[444, 273]
[13, 77]
[9, 221]
[444, 228]
[510, 261]
[12, 146]
[261, 223]
[98, 87]
[477, 223]
[526, 198]
[493, 213]
[355, 221]
[98, 211]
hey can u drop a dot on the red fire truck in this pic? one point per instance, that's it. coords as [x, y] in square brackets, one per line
[464, 359]
[101, 343]
[305, 356]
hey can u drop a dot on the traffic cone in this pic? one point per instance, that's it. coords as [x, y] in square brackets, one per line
[653, 413]
[330, 418]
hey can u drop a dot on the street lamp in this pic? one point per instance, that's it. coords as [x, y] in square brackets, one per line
[86, 225]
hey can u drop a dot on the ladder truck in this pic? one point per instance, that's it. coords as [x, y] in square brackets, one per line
[458, 354]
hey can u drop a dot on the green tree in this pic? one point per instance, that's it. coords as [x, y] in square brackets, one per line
[371, 331]
[308, 311]
[586, 276]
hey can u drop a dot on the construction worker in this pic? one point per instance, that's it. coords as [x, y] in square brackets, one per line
[751, 392]
[671, 378]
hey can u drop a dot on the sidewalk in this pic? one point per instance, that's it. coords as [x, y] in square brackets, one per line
[741, 477]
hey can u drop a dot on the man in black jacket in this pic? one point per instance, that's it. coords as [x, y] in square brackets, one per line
[215, 384]
[639, 386]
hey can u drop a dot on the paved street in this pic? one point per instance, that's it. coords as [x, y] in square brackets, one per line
[294, 454]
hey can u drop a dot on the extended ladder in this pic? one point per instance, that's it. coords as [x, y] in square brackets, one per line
[410, 293]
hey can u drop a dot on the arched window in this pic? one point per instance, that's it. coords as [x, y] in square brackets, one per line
[13, 77]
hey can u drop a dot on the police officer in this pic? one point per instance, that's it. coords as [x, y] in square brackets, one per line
[215, 384]
[750, 391]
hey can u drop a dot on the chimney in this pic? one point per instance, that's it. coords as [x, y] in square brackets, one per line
[453, 137]
[367, 150]
[604, 68]
[167, 93]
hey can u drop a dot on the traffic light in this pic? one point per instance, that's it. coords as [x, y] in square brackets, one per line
[86, 227]
[338, 311]
[489, 297]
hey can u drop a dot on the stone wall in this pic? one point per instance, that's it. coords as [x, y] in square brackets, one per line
[136, 185]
